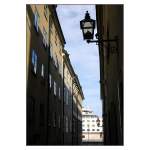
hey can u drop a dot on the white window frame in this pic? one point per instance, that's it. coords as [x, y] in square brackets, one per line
[60, 69]
[55, 61]
[66, 124]
[42, 70]
[55, 88]
[50, 80]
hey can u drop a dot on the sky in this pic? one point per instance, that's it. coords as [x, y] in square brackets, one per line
[84, 57]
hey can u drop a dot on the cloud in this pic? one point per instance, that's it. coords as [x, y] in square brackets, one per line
[73, 14]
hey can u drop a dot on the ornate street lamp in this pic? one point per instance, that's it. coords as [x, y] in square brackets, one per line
[87, 25]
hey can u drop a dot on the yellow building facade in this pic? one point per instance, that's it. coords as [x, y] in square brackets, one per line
[50, 81]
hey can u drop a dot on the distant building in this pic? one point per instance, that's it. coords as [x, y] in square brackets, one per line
[91, 131]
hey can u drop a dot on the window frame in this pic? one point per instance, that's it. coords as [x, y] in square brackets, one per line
[50, 80]
[34, 61]
[36, 19]
[59, 93]
[55, 88]
[42, 71]
[67, 125]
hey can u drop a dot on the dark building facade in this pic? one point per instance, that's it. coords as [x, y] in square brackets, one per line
[110, 26]
[49, 97]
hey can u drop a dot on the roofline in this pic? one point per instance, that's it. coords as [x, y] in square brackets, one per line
[57, 23]
[73, 73]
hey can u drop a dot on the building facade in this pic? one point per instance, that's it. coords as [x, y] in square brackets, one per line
[49, 79]
[110, 26]
[91, 130]
[73, 97]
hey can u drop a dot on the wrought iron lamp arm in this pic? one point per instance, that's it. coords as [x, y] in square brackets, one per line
[100, 40]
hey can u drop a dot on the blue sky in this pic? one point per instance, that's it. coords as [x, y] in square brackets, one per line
[84, 57]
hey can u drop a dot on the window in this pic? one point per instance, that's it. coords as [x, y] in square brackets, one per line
[55, 88]
[45, 39]
[34, 61]
[50, 80]
[66, 124]
[59, 67]
[93, 125]
[55, 60]
[69, 97]
[83, 120]
[59, 93]
[83, 129]
[36, 19]
[93, 129]
[42, 71]
[46, 11]
[97, 129]
[66, 96]
[93, 120]
[88, 129]
[88, 120]
[101, 134]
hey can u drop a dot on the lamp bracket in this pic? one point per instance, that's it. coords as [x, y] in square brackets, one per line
[100, 40]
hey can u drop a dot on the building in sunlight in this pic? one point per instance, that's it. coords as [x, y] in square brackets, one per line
[92, 130]
[54, 94]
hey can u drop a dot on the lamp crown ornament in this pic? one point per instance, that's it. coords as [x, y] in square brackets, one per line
[87, 15]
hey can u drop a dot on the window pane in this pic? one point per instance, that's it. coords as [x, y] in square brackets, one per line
[55, 88]
[50, 80]
[42, 70]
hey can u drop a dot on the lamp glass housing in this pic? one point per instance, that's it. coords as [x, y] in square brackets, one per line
[87, 26]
